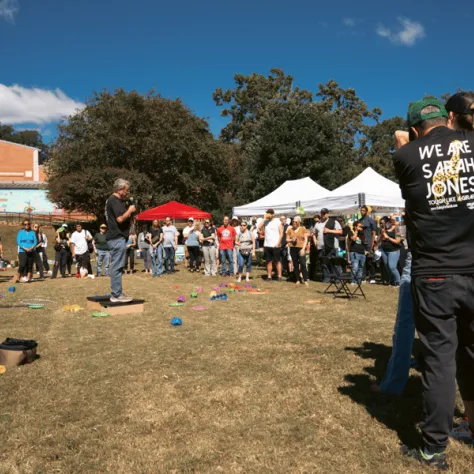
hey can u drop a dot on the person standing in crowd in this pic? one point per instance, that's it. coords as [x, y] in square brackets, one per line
[101, 249]
[208, 241]
[272, 244]
[68, 250]
[193, 248]
[118, 224]
[357, 251]
[327, 232]
[226, 235]
[245, 243]
[170, 244]
[441, 228]
[370, 238]
[155, 239]
[79, 247]
[61, 253]
[26, 241]
[254, 230]
[236, 225]
[186, 231]
[130, 251]
[389, 243]
[284, 251]
[297, 239]
[38, 254]
[144, 247]
[313, 249]
[343, 238]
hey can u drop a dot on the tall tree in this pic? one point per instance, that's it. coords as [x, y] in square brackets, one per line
[377, 145]
[158, 144]
[247, 101]
[293, 140]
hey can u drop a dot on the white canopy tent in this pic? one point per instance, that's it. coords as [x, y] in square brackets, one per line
[285, 198]
[369, 187]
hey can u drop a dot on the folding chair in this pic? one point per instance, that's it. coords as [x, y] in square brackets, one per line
[347, 277]
[335, 280]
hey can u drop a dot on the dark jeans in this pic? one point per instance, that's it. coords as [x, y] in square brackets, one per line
[444, 319]
[130, 255]
[38, 262]
[299, 264]
[69, 261]
[193, 256]
[284, 259]
[60, 262]
[169, 259]
[327, 268]
[313, 262]
[44, 258]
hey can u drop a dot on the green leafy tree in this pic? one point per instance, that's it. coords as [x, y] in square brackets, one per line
[293, 140]
[246, 103]
[164, 150]
[377, 145]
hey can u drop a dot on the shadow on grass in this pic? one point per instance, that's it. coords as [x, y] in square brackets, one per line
[400, 414]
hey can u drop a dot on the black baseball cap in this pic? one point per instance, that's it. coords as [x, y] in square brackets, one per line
[461, 103]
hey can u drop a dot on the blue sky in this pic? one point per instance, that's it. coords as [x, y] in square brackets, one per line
[391, 54]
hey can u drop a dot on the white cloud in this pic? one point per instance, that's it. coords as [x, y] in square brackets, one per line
[8, 9]
[21, 105]
[350, 22]
[407, 35]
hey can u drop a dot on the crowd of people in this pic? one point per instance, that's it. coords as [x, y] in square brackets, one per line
[428, 255]
[288, 247]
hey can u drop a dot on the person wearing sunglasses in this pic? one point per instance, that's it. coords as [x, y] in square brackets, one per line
[208, 241]
[26, 241]
[245, 244]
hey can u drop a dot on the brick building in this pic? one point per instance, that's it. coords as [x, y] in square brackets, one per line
[22, 184]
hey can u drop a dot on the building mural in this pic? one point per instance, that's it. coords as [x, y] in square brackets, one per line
[27, 200]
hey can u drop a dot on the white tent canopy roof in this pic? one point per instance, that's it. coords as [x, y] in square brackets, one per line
[379, 192]
[284, 198]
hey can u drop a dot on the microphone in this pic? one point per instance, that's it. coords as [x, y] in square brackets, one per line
[131, 202]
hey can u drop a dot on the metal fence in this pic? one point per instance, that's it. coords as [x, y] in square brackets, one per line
[14, 218]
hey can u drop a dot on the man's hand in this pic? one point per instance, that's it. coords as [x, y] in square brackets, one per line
[132, 209]
[326, 231]
[401, 138]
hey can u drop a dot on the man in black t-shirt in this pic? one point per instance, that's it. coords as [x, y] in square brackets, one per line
[436, 175]
[118, 226]
[208, 241]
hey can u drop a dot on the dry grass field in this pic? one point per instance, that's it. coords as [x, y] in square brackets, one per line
[258, 384]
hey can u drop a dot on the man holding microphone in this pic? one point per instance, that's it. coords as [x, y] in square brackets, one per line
[118, 228]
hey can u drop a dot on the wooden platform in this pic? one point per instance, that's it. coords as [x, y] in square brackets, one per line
[103, 303]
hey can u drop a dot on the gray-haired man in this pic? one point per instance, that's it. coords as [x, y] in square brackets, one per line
[118, 227]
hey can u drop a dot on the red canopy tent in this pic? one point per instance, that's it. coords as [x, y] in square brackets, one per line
[175, 210]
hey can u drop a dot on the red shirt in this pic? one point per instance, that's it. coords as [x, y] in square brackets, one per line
[226, 236]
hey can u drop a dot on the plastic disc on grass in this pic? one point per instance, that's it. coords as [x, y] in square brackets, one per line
[199, 308]
[100, 314]
[36, 306]
[176, 304]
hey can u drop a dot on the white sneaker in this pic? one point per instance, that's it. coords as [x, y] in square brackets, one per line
[372, 282]
[25, 279]
[121, 299]
[247, 279]
[463, 433]
[239, 279]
